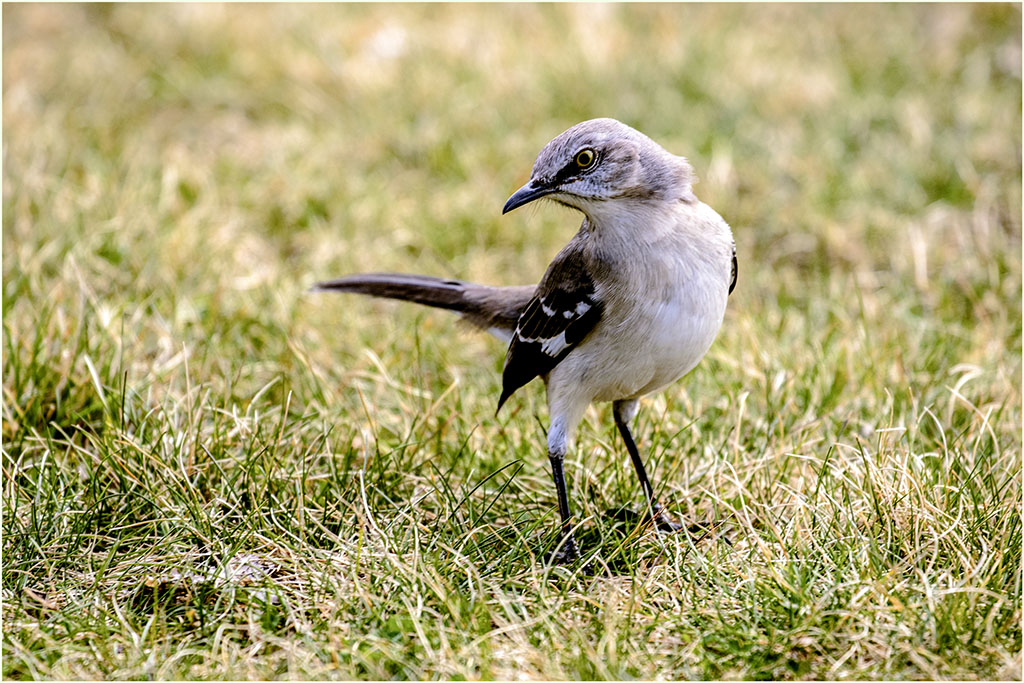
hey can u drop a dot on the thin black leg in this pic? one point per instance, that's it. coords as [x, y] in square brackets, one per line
[634, 453]
[661, 518]
[568, 552]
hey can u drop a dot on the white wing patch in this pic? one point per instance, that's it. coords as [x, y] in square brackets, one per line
[554, 345]
[581, 308]
[559, 317]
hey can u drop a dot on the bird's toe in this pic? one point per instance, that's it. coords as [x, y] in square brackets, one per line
[665, 523]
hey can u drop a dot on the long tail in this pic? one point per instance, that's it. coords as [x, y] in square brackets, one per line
[494, 309]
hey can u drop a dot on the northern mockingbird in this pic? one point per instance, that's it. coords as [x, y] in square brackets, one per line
[629, 306]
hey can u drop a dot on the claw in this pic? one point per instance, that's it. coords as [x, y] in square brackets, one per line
[568, 555]
[664, 521]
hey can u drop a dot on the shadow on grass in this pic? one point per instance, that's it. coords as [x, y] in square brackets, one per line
[617, 544]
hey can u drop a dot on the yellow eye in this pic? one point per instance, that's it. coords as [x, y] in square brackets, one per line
[585, 158]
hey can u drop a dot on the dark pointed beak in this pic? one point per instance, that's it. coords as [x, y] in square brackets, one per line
[526, 194]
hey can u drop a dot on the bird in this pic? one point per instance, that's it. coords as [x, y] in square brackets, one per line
[629, 306]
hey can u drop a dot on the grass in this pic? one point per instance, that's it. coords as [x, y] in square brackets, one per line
[209, 472]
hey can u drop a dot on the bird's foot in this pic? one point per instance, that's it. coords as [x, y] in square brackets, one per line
[660, 519]
[702, 530]
[664, 522]
[566, 555]
[561, 556]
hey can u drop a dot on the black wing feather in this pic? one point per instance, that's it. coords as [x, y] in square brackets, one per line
[735, 270]
[566, 304]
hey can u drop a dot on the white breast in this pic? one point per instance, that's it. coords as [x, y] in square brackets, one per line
[681, 332]
[669, 309]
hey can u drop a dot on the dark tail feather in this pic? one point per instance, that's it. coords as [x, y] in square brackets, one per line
[496, 308]
[420, 289]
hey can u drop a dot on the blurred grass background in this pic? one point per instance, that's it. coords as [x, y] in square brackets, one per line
[210, 472]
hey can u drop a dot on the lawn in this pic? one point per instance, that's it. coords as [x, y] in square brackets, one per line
[211, 472]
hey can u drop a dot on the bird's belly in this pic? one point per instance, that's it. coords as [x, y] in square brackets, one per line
[657, 347]
[677, 346]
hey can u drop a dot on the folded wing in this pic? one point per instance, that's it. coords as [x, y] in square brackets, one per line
[564, 310]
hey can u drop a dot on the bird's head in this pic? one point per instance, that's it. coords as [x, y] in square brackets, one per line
[604, 160]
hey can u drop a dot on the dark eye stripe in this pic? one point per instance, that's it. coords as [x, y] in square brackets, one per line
[572, 169]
